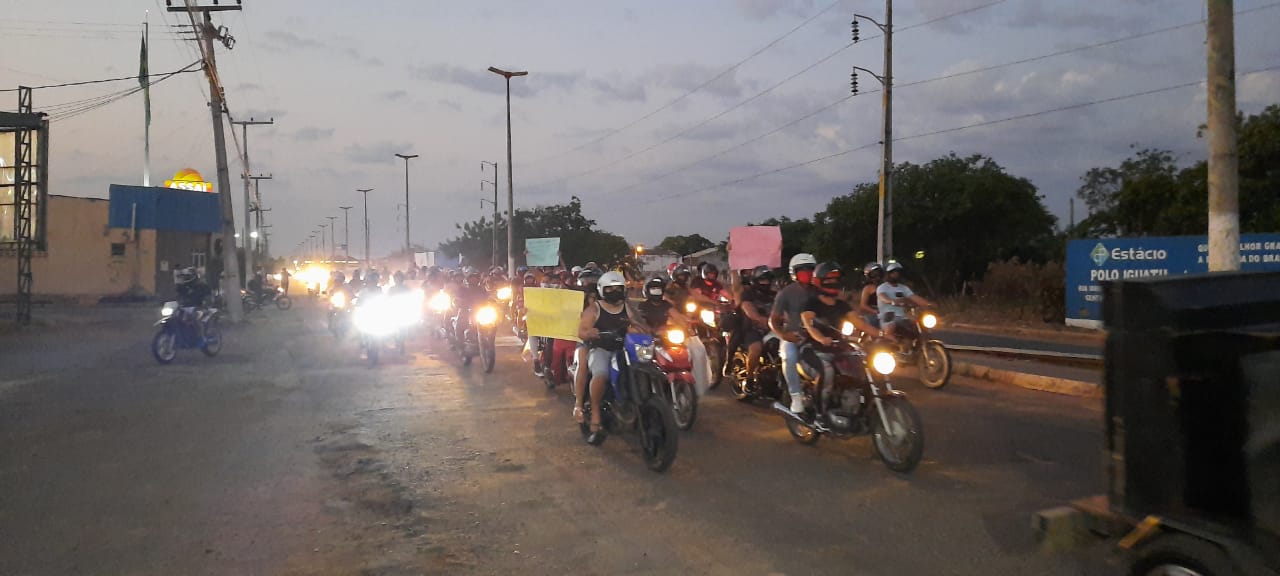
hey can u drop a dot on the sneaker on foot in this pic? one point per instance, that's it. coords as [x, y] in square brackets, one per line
[797, 405]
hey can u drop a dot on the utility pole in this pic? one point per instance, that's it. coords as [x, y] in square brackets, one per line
[366, 192]
[333, 238]
[208, 33]
[494, 184]
[511, 208]
[408, 246]
[244, 127]
[346, 231]
[323, 249]
[257, 201]
[884, 227]
[1224, 176]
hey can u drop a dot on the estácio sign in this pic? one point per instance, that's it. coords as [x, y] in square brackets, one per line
[1096, 260]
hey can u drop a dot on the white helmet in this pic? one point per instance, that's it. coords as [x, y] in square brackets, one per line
[612, 278]
[575, 270]
[802, 259]
[893, 266]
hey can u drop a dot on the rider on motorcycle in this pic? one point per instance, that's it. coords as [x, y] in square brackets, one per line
[611, 313]
[894, 296]
[258, 286]
[755, 301]
[827, 306]
[784, 319]
[192, 294]
[867, 299]
[678, 291]
[466, 297]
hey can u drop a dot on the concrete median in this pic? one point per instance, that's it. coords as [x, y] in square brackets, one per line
[1043, 383]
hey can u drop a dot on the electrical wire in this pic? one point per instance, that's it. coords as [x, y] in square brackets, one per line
[99, 102]
[105, 80]
[750, 99]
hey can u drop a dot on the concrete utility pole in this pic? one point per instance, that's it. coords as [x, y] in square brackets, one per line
[346, 231]
[511, 209]
[230, 283]
[884, 227]
[248, 224]
[1224, 176]
[366, 192]
[494, 184]
[408, 246]
[333, 238]
[257, 206]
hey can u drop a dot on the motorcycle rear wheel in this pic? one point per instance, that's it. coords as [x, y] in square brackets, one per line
[659, 440]
[902, 446]
[212, 339]
[284, 303]
[934, 364]
[164, 346]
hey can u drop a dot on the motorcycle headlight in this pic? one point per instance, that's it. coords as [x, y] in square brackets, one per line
[847, 328]
[440, 302]
[708, 317]
[690, 307]
[884, 363]
[929, 321]
[487, 316]
[376, 319]
[504, 293]
[644, 353]
[675, 336]
[280, 289]
[168, 309]
[338, 300]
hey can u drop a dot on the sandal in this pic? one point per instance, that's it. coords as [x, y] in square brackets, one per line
[579, 416]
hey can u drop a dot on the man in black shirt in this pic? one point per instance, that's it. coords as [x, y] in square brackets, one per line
[755, 302]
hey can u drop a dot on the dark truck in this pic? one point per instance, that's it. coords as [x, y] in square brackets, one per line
[1192, 424]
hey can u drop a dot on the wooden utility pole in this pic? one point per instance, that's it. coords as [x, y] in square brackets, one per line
[230, 281]
[1224, 176]
[884, 214]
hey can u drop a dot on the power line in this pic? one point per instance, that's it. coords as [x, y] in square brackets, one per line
[750, 99]
[842, 100]
[68, 113]
[86, 82]
[697, 88]
[955, 129]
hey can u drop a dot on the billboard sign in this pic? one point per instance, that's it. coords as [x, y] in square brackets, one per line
[1093, 261]
[189, 179]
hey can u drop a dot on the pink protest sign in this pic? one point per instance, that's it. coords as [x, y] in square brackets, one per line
[751, 246]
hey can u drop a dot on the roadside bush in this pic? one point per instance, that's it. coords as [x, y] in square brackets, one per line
[1024, 291]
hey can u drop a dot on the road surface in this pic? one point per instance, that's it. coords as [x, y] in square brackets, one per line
[287, 455]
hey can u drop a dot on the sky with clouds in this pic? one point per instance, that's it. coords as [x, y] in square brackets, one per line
[635, 107]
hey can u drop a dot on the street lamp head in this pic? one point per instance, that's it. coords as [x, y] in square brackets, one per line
[507, 74]
[407, 156]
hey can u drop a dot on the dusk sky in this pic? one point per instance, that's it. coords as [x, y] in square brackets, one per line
[352, 83]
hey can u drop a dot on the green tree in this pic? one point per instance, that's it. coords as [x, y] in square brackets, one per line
[580, 241]
[685, 245]
[959, 212]
[795, 235]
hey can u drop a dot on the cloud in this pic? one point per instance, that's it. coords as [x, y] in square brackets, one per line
[482, 80]
[619, 90]
[1120, 15]
[768, 9]
[382, 152]
[247, 87]
[287, 39]
[394, 95]
[450, 104]
[313, 134]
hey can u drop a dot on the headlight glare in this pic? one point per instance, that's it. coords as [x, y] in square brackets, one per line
[504, 293]
[884, 363]
[847, 328]
[708, 317]
[487, 316]
[929, 321]
[675, 336]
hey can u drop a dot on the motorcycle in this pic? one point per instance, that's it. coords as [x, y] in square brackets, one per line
[439, 305]
[705, 326]
[916, 346]
[856, 399]
[254, 301]
[339, 314]
[672, 358]
[379, 318]
[479, 336]
[634, 401]
[178, 332]
[769, 382]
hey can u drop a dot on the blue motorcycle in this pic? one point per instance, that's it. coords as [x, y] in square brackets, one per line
[634, 401]
[179, 331]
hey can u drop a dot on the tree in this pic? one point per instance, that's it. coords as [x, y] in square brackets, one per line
[580, 242]
[795, 235]
[958, 213]
[685, 245]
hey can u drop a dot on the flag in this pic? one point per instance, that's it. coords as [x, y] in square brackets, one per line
[143, 80]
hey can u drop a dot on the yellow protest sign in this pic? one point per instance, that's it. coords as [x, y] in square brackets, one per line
[553, 312]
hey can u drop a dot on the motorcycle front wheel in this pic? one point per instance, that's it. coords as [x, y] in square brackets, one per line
[684, 404]
[934, 364]
[715, 356]
[164, 346]
[284, 303]
[488, 350]
[901, 445]
[212, 338]
[659, 439]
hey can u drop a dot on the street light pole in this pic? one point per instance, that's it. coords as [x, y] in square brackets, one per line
[333, 239]
[346, 231]
[408, 246]
[366, 192]
[483, 163]
[511, 211]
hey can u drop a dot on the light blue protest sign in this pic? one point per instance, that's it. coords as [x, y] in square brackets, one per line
[542, 251]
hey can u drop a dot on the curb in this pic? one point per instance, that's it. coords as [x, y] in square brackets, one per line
[1064, 386]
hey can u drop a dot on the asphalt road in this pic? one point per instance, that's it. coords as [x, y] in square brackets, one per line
[287, 455]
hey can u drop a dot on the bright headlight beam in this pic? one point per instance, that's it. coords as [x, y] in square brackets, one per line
[675, 336]
[929, 321]
[884, 363]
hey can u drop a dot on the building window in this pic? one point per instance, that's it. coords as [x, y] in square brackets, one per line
[117, 250]
[198, 260]
[8, 191]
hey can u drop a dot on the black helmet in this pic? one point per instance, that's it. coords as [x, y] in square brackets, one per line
[827, 278]
[762, 275]
[371, 279]
[655, 288]
[677, 271]
[709, 271]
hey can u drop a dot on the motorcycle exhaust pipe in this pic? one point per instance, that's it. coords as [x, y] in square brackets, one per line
[788, 413]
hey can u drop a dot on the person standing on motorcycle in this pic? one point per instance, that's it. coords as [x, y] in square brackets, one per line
[893, 298]
[784, 319]
[613, 314]
[755, 301]
[868, 301]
